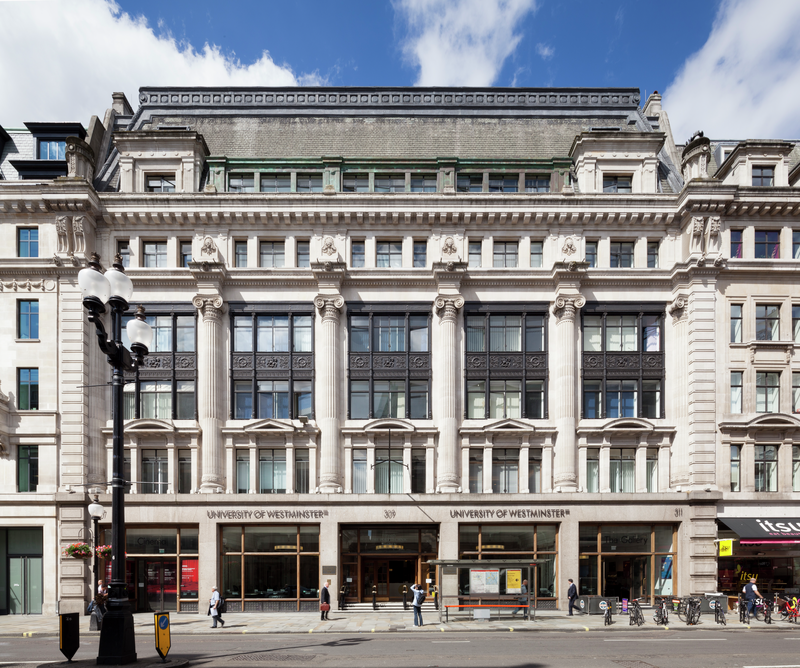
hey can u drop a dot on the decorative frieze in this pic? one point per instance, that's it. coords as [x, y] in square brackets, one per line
[44, 285]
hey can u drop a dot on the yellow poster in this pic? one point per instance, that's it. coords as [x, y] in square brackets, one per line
[513, 581]
[726, 548]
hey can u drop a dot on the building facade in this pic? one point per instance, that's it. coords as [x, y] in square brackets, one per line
[398, 325]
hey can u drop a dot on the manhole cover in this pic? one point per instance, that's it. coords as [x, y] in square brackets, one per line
[269, 656]
[633, 663]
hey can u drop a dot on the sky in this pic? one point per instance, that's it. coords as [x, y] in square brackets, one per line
[727, 67]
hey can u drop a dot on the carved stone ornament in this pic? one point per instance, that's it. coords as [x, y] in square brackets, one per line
[329, 306]
[570, 247]
[677, 309]
[328, 246]
[62, 229]
[565, 308]
[210, 306]
[208, 247]
[78, 234]
[713, 226]
[698, 226]
[449, 246]
[45, 285]
[447, 307]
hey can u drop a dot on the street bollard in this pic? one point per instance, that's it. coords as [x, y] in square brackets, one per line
[342, 594]
[374, 597]
[405, 599]
[69, 635]
[435, 595]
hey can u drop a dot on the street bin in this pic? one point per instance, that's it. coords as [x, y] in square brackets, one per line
[708, 602]
[596, 605]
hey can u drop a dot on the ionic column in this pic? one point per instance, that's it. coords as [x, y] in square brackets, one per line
[211, 365]
[449, 388]
[565, 382]
[327, 392]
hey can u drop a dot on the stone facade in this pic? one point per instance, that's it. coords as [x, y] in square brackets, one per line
[389, 311]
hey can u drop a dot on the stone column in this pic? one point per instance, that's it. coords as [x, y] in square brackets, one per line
[678, 396]
[327, 392]
[449, 389]
[565, 382]
[211, 364]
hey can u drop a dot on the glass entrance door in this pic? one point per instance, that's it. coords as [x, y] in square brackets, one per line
[160, 580]
[388, 576]
[25, 585]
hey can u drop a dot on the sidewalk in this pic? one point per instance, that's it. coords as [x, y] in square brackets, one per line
[373, 622]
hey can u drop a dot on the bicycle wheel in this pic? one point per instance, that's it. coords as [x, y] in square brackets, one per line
[682, 611]
[639, 617]
[758, 613]
[721, 616]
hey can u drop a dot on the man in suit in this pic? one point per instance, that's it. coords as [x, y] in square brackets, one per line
[572, 595]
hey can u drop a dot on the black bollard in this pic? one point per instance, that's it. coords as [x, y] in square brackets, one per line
[435, 595]
[374, 597]
[405, 599]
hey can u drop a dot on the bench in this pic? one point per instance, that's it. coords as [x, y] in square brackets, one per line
[483, 605]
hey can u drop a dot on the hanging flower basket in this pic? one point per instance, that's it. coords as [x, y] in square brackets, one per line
[104, 551]
[78, 551]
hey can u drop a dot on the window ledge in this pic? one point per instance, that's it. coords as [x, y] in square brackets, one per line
[27, 341]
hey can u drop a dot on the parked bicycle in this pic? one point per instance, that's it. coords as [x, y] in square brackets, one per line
[719, 612]
[683, 606]
[607, 615]
[744, 615]
[661, 613]
[787, 608]
[635, 615]
[692, 611]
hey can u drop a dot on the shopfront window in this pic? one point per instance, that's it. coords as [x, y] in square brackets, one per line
[627, 561]
[510, 541]
[270, 568]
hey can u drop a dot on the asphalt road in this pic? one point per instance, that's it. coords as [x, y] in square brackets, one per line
[738, 648]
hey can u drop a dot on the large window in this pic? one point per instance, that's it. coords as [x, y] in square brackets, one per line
[160, 183]
[155, 476]
[309, 183]
[301, 471]
[390, 183]
[503, 183]
[537, 256]
[271, 362]
[621, 253]
[241, 183]
[505, 470]
[652, 255]
[469, 183]
[184, 471]
[737, 245]
[355, 183]
[768, 244]
[475, 470]
[28, 468]
[591, 253]
[537, 183]
[475, 254]
[763, 175]
[512, 541]
[272, 254]
[276, 183]
[505, 254]
[272, 471]
[155, 254]
[651, 470]
[389, 364]
[28, 242]
[506, 365]
[736, 468]
[423, 183]
[388, 471]
[623, 364]
[736, 323]
[390, 254]
[165, 387]
[357, 254]
[616, 184]
[359, 471]
[622, 470]
[240, 253]
[420, 253]
[593, 470]
[263, 564]
[27, 319]
[767, 392]
[303, 254]
[418, 480]
[52, 149]
[28, 389]
[766, 468]
[768, 320]
[736, 391]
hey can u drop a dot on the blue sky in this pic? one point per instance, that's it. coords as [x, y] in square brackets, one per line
[728, 67]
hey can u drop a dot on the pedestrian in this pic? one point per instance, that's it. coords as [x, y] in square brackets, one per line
[101, 598]
[523, 598]
[102, 588]
[751, 593]
[419, 597]
[213, 608]
[325, 600]
[572, 595]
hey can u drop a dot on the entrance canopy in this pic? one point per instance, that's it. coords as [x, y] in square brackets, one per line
[767, 530]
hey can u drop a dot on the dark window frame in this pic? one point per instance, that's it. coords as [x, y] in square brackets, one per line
[622, 254]
[26, 379]
[737, 244]
[407, 366]
[29, 317]
[763, 176]
[165, 184]
[28, 243]
[254, 365]
[767, 244]
[28, 459]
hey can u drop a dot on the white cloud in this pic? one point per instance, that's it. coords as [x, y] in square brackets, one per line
[745, 81]
[60, 61]
[545, 52]
[461, 42]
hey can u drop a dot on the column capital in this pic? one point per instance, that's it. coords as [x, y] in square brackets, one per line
[677, 308]
[211, 306]
[447, 306]
[329, 306]
[566, 307]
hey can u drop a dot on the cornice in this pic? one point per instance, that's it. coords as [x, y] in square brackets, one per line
[60, 195]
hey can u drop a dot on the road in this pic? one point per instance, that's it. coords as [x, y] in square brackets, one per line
[736, 648]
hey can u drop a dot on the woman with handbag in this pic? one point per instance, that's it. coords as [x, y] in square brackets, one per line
[325, 600]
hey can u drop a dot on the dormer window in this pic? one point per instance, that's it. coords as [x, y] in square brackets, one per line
[51, 149]
[161, 183]
[617, 184]
[763, 175]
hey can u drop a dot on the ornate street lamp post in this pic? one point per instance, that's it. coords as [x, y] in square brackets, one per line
[96, 511]
[117, 639]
